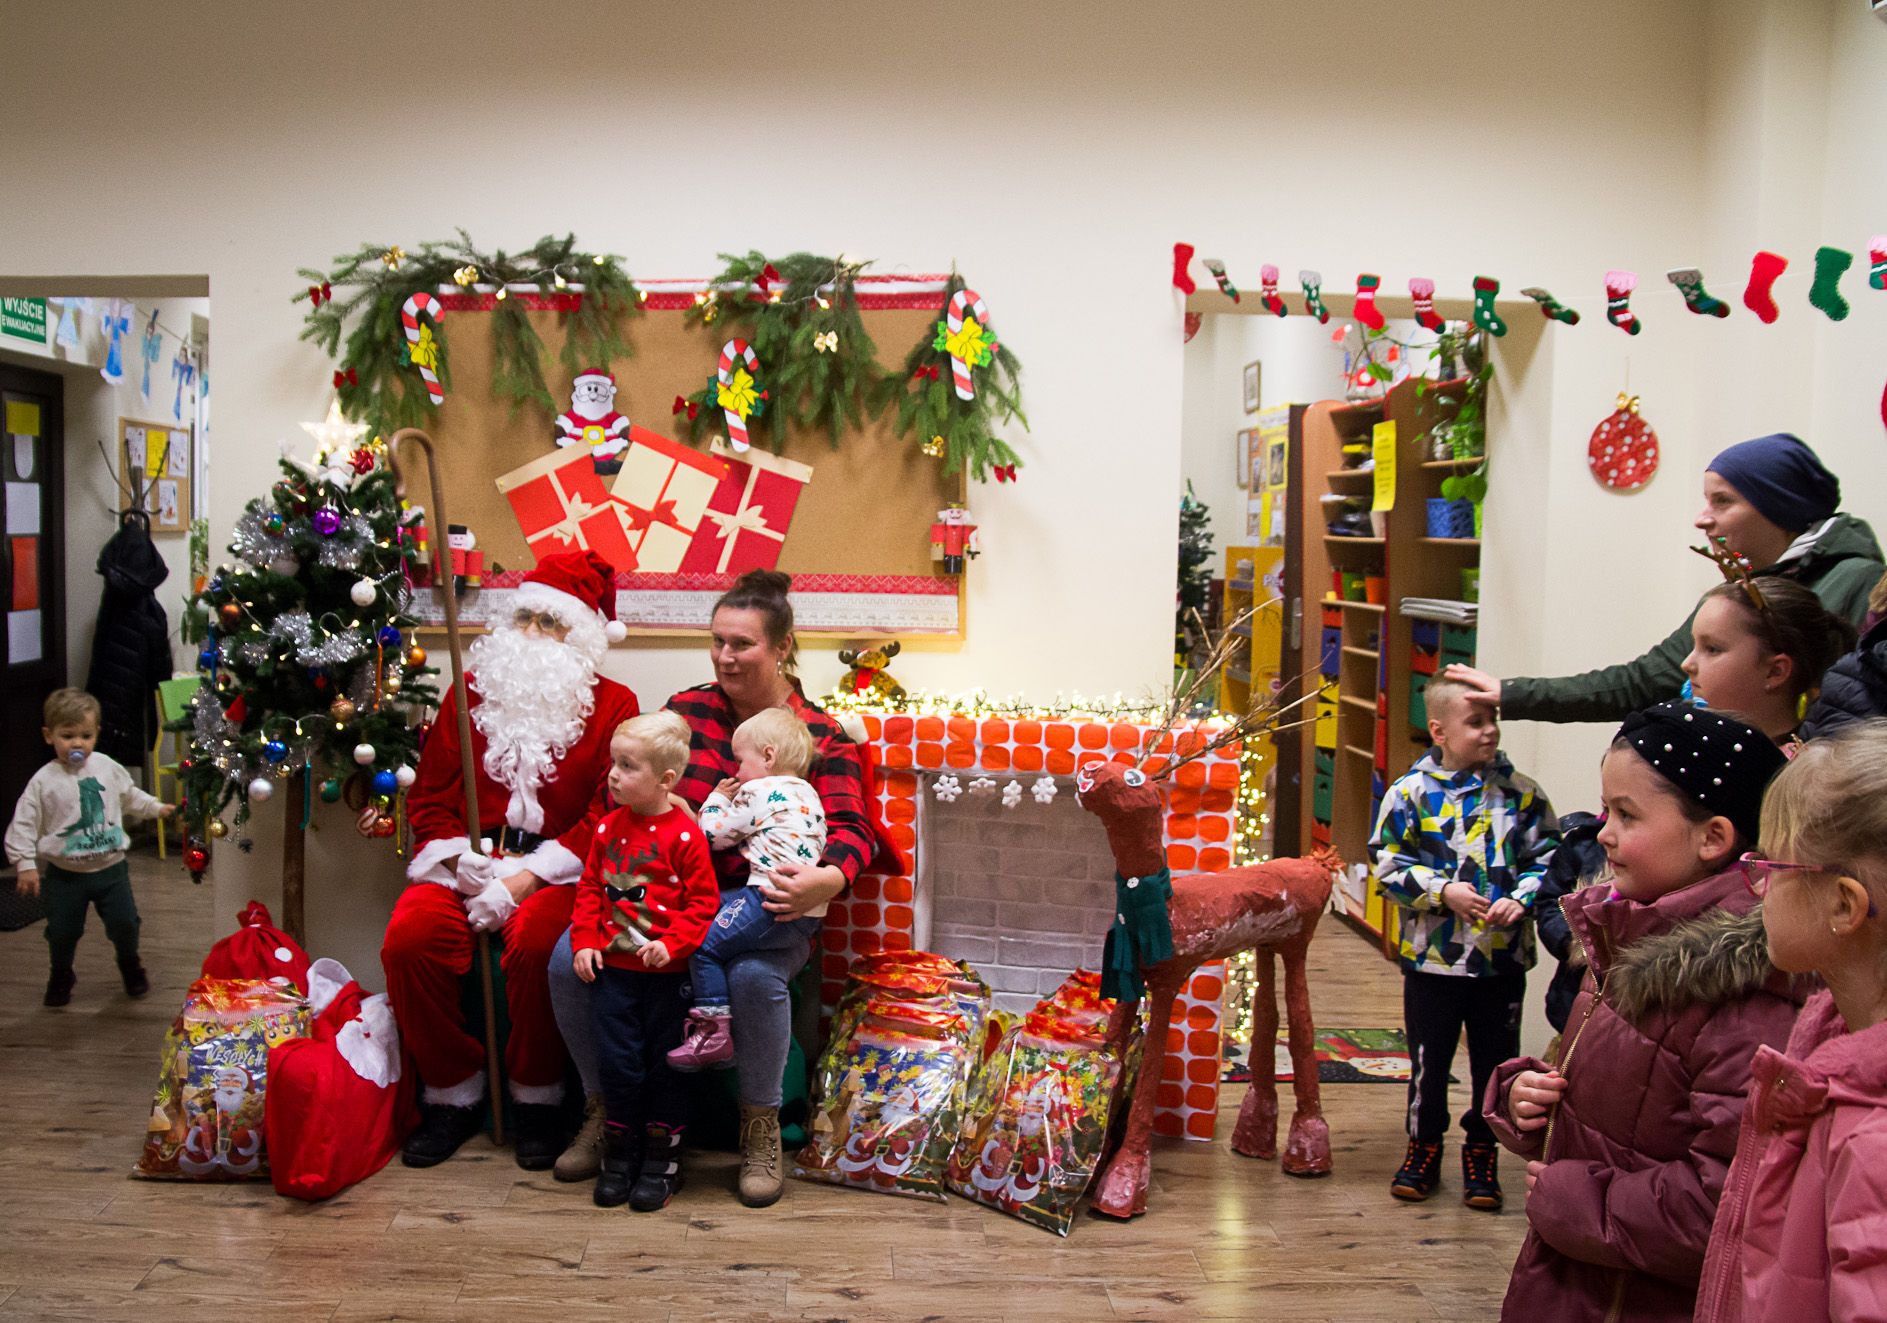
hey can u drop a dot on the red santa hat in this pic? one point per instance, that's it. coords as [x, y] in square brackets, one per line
[574, 586]
[596, 373]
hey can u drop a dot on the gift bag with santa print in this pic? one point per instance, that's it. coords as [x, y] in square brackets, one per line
[1035, 1124]
[258, 950]
[889, 1123]
[748, 516]
[207, 1116]
[339, 1103]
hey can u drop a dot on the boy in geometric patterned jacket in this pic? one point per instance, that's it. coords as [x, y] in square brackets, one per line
[1460, 848]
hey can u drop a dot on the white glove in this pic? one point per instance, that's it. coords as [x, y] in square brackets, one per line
[488, 910]
[475, 873]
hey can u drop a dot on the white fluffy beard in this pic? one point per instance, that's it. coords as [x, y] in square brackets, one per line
[535, 696]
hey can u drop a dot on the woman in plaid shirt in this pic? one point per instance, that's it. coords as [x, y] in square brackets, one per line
[752, 647]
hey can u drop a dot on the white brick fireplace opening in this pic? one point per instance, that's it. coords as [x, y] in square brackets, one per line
[1025, 894]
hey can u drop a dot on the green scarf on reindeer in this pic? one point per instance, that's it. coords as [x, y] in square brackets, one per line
[1142, 933]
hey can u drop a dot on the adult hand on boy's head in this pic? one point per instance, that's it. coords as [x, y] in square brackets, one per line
[1482, 687]
[1465, 901]
[1505, 912]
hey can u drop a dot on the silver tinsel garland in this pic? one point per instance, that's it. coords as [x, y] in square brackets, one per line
[343, 549]
[296, 632]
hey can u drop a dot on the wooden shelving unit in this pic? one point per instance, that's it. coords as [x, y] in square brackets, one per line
[1365, 740]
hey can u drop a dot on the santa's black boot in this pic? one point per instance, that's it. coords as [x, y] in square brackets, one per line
[622, 1159]
[441, 1130]
[660, 1180]
[540, 1136]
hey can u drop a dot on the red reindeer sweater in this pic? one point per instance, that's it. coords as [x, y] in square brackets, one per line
[648, 880]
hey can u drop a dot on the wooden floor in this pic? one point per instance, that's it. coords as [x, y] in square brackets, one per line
[1225, 1237]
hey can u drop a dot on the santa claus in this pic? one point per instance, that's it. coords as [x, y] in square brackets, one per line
[592, 420]
[541, 720]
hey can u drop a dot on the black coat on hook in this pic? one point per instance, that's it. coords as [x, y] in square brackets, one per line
[131, 648]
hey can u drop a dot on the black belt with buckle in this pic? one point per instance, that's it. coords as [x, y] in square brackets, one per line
[513, 841]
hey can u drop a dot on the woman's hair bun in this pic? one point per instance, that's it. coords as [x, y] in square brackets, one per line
[772, 583]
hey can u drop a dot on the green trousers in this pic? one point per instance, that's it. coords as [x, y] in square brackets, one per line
[68, 895]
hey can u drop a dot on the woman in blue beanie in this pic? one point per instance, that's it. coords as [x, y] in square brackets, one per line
[1773, 501]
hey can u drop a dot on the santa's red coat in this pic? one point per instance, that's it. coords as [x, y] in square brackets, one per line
[574, 798]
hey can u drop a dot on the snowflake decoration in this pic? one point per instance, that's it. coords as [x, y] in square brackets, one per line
[983, 785]
[1012, 794]
[947, 789]
[1044, 790]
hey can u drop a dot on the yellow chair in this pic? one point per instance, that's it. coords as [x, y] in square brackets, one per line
[173, 703]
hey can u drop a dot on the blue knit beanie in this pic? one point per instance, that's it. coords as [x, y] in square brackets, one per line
[1782, 478]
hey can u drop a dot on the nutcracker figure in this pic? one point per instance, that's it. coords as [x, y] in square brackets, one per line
[952, 538]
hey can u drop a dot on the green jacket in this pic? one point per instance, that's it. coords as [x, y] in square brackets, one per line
[1842, 567]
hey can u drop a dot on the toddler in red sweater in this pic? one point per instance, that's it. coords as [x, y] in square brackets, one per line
[645, 902]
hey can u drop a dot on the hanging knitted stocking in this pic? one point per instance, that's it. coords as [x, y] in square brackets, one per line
[1618, 288]
[1830, 265]
[1759, 296]
[1690, 283]
[1550, 307]
[1268, 278]
[1366, 310]
[1877, 257]
[1424, 291]
[1217, 268]
[1313, 283]
[1485, 288]
[1182, 258]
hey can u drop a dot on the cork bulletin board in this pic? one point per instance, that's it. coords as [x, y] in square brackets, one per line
[154, 459]
[861, 526]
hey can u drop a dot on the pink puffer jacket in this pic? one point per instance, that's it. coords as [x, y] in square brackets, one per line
[1801, 1234]
[1657, 1068]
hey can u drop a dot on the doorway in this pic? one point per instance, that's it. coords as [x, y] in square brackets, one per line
[32, 539]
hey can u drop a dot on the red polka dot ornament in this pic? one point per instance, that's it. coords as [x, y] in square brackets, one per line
[1623, 452]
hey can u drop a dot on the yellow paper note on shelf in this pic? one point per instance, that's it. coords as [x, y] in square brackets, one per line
[1382, 449]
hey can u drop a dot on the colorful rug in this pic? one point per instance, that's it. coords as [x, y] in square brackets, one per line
[1344, 1056]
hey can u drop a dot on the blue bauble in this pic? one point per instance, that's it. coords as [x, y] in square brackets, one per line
[389, 637]
[385, 783]
[206, 660]
[275, 751]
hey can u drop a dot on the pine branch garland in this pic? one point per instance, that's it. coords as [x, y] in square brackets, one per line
[369, 287]
[961, 431]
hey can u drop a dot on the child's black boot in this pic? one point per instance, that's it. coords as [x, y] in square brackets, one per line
[660, 1180]
[622, 1160]
[136, 981]
[1480, 1176]
[1421, 1171]
[59, 986]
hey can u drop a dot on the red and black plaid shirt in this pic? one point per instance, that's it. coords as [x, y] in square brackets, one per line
[837, 776]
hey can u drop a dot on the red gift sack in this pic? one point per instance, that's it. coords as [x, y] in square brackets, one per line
[258, 950]
[339, 1103]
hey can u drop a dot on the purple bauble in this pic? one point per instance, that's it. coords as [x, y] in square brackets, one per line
[327, 522]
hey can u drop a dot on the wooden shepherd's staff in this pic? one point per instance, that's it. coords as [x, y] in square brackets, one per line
[442, 574]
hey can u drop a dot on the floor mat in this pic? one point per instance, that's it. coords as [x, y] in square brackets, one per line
[1344, 1056]
[17, 911]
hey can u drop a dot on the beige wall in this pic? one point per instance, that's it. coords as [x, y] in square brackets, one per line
[1054, 153]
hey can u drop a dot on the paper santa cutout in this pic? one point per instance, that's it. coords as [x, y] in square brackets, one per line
[592, 422]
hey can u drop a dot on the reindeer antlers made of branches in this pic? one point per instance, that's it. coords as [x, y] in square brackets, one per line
[1258, 721]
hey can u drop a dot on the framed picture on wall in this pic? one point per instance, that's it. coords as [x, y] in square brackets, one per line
[1276, 477]
[1241, 456]
[1251, 388]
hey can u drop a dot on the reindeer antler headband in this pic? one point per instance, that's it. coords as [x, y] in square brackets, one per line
[1736, 569]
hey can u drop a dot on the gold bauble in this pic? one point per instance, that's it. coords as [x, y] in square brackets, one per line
[934, 447]
[218, 828]
[230, 614]
[392, 683]
[342, 710]
[416, 656]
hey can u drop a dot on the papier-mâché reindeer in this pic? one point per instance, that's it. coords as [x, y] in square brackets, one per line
[1169, 926]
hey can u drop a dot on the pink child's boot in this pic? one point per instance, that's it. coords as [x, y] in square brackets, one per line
[707, 1043]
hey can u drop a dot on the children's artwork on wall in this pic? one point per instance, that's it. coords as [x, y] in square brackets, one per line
[149, 350]
[68, 330]
[114, 323]
[183, 372]
[154, 469]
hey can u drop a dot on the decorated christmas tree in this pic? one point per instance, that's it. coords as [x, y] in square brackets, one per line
[308, 676]
[1195, 576]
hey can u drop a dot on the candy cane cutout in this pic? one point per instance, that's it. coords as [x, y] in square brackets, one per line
[410, 311]
[736, 422]
[953, 321]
